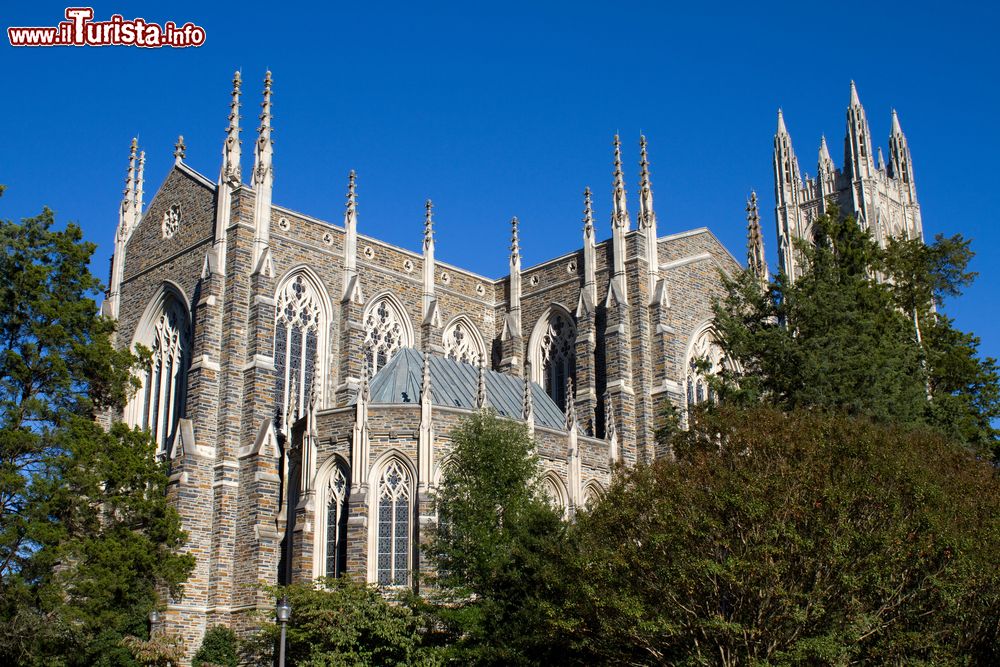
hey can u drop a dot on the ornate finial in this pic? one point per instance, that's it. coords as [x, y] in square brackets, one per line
[129, 190]
[647, 217]
[428, 223]
[352, 196]
[262, 158]
[231, 149]
[365, 392]
[138, 185]
[425, 381]
[179, 149]
[588, 212]
[515, 244]
[610, 432]
[527, 406]
[756, 262]
[570, 404]
[619, 216]
[481, 391]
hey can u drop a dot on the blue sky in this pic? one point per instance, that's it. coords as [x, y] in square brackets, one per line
[494, 110]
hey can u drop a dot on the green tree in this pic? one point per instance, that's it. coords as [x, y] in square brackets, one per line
[859, 332]
[495, 546]
[86, 534]
[343, 622]
[219, 648]
[791, 538]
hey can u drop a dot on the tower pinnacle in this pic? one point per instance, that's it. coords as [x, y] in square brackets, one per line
[647, 217]
[231, 171]
[755, 242]
[263, 179]
[619, 217]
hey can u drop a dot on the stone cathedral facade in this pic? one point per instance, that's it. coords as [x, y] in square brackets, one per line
[306, 377]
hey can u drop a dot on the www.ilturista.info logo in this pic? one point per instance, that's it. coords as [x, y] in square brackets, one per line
[79, 29]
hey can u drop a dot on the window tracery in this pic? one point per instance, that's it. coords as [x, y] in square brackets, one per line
[299, 323]
[705, 359]
[393, 526]
[461, 343]
[385, 334]
[557, 348]
[337, 493]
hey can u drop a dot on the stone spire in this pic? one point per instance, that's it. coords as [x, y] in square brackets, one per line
[127, 218]
[901, 164]
[619, 227]
[619, 216]
[230, 177]
[527, 405]
[231, 170]
[787, 190]
[514, 309]
[481, 389]
[570, 405]
[589, 250]
[881, 160]
[429, 266]
[647, 218]
[756, 261]
[858, 148]
[179, 149]
[139, 181]
[263, 179]
[351, 286]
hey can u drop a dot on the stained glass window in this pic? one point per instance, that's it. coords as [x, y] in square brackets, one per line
[558, 356]
[299, 320]
[393, 525]
[337, 493]
[384, 335]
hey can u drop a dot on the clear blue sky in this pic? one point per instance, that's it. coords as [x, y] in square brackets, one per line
[502, 109]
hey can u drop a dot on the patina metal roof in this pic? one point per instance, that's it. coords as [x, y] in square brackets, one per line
[456, 384]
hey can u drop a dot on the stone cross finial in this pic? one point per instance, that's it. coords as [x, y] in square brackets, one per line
[179, 150]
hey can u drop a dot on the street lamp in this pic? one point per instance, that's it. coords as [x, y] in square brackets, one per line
[283, 612]
[154, 620]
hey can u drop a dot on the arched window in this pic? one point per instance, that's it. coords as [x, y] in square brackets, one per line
[299, 326]
[592, 494]
[392, 540]
[385, 333]
[335, 547]
[555, 357]
[463, 343]
[159, 404]
[556, 493]
[705, 358]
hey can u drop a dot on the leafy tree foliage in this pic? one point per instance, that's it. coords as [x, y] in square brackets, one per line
[342, 622]
[219, 648]
[859, 332]
[791, 537]
[496, 545]
[86, 534]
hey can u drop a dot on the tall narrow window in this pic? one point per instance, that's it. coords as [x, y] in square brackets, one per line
[705, 359]
[159, 405]
[385, 334]
[462, 343]
[557, 355]
[393, 525]
[337, 492]
[298, 328]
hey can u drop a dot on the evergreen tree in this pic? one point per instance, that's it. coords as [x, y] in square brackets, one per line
[86, 534]
[859, 332]
[495, 545]
[218, 648]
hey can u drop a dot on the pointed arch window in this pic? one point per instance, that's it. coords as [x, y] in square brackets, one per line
[159, 404]
[299, 325]
[557, 355]
[462, 343]
[705, 359]
[335, 547]
[385, 334]
[393, 525]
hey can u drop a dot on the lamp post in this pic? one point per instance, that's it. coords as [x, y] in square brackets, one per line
[154, 620]
[283, 612]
